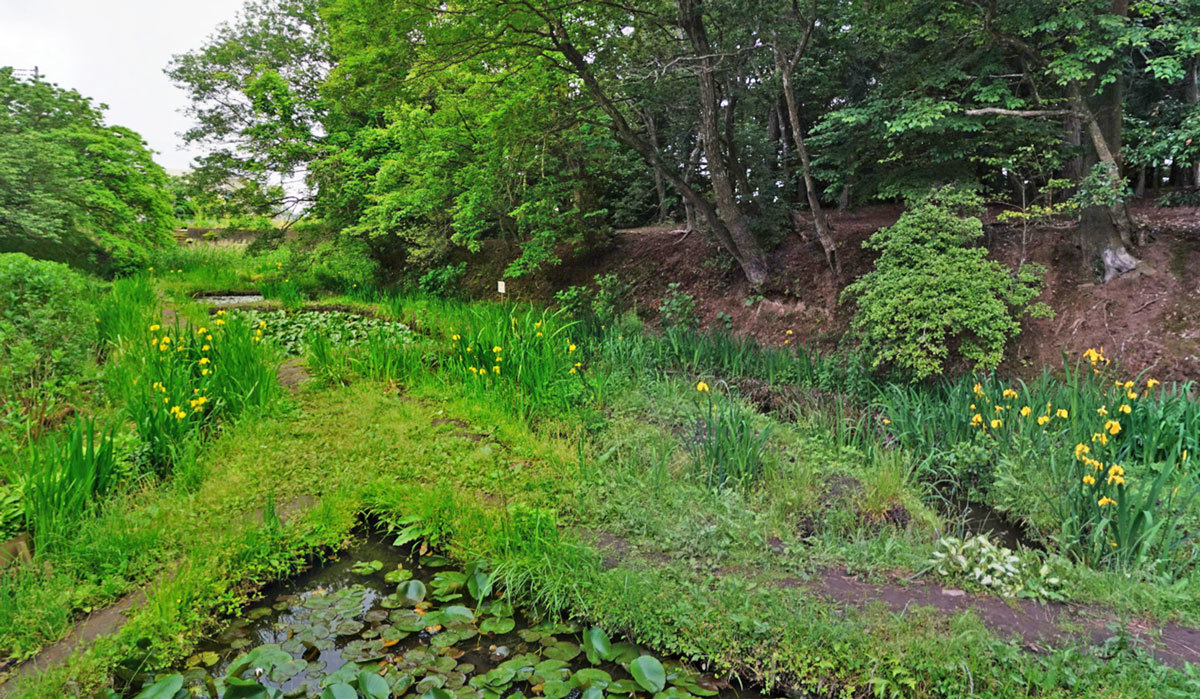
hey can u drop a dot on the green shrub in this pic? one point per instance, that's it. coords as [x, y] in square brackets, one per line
[442, 281]
[342, 263]
[47, 323]
[931, 297]
[678, 308]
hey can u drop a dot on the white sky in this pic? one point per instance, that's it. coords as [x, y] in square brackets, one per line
[114, 51]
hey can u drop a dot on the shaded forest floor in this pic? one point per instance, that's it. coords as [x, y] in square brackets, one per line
[1146, 318]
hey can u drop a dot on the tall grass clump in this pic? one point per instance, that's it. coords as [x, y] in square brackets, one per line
[63, 484]
[389, 355]
[121, 313]
[181, 378]
[727, 449]
[524, 356]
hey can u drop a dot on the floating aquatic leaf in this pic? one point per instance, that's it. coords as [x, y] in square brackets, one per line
[434, 561]
[622, 687]
[373, 686]
[398, 575]
[236, 688]
[556, 689]
[366, 567]
[591, 676]
[411, 592]
[340, 690]
[207, 659]
[407, 620]
[458, 612]
[596, 645]
[431, 682]
[436, 693]
[648, 673]
[592, 692]
[258, 612]
[166, 688]
[622, 653]
[497, 625]
[562, 650]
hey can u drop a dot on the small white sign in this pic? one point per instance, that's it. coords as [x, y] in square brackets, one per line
[500, 287]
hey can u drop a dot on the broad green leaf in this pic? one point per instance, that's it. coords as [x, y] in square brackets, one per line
[373, 686]
[648, 673]
[166, 688]
[341, 690]
[411, 592]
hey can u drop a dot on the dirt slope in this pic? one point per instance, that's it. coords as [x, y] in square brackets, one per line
[1150, 321]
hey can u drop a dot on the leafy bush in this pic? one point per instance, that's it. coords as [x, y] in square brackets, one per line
[342, 263]
[443, 281]
[47, 323]
[980, 562]
[678, 308]
[600, 308]
[931, 296]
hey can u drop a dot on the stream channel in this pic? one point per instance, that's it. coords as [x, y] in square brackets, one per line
[414, 621]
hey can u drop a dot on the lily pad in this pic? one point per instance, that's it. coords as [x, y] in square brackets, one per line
[648, 673]
[398, 575]
[562, 650]
[497, 625]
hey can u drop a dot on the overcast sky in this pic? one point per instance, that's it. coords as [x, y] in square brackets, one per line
[114, 51]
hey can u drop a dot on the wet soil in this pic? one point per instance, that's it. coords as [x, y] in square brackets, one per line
[1037, 625]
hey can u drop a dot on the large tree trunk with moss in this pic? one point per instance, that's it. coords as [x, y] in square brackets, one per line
[1106, 231]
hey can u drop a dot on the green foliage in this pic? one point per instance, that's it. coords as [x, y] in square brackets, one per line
[72, 188]
[678, 308]
[982, 563]
[47, 326]
[598, 309]
[931, 298]
[444, 280]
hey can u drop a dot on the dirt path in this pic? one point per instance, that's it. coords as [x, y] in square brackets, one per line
[1038, 625]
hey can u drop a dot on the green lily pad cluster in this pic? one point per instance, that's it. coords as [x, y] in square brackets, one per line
[438, 633]
[293, 331]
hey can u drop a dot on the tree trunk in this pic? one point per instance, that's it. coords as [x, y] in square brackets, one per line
[1073, 135]
[746, 247]
[1105, 232]
[1193, 98]
[752, 260]
[820, 222]
[660, 188]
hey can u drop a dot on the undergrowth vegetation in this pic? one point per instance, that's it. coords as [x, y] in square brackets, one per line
[601, 470]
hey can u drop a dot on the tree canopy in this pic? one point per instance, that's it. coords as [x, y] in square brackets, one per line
[72, 187]
[424, 127]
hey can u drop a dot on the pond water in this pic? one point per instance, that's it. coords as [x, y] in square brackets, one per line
[414, 623]
[978, 518]
[230, 299]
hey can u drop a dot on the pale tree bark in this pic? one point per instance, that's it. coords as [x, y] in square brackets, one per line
[1106, 232]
